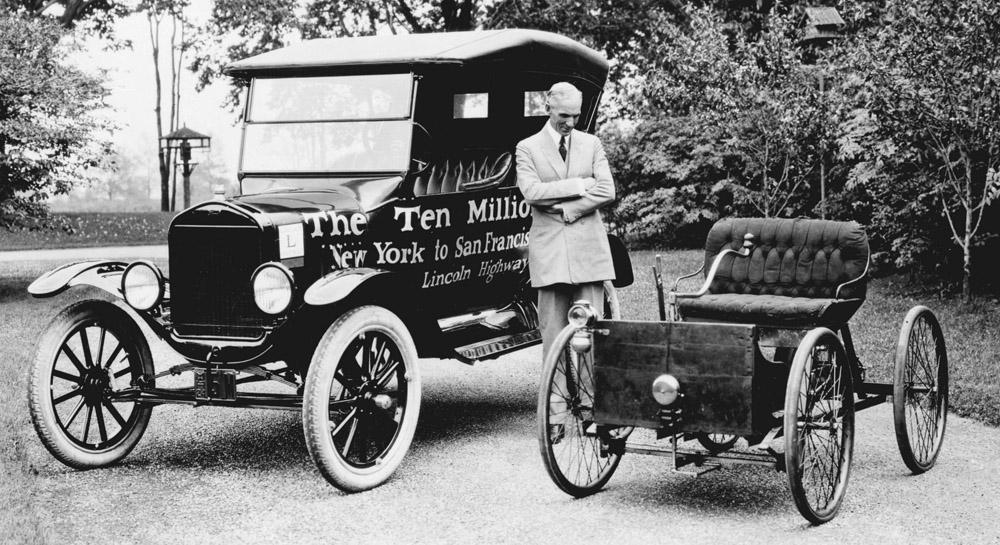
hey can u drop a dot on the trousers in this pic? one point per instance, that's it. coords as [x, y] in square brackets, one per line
[554, 302]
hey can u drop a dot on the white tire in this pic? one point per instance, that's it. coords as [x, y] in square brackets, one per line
[362, 398]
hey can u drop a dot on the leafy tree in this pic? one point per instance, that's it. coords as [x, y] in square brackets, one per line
[627, 31]
[97, 15]
[49, 133]
[931, 81]
[755, 99]
[667, 171]
[238, 29]
[158, 12]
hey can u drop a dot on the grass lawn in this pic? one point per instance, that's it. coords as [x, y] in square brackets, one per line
[75, 230]
[22, 318]
[970, 333]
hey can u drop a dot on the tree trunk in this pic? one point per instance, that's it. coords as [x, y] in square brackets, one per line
[164, 181]
[173, 186]
[4, 169]
[967, 245]
[175, 101]
[967, 269]
[154, 38]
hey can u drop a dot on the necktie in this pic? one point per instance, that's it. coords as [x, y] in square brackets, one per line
[562, 147]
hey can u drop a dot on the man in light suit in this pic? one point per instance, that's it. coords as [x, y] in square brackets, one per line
[564, 174]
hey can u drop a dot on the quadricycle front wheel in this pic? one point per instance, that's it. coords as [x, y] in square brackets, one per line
[574, 448]
[819, 425]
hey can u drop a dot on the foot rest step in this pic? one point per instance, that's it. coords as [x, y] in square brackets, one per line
[498, 345]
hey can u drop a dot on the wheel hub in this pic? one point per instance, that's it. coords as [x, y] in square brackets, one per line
[370, 397]
[95, 383]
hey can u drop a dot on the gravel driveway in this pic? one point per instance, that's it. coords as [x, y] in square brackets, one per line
[474, 475]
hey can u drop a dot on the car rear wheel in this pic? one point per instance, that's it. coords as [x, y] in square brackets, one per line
[90, 351]
[362, 398]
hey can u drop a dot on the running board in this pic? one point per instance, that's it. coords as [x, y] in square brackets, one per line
[492, 318]
[497, 346]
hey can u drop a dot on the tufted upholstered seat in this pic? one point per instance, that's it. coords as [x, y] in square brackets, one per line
[467, 172]
[791, 277]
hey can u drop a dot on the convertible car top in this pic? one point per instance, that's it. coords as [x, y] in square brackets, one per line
[519, 48]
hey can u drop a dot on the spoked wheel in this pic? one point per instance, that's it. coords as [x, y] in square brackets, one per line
[920, 389]
[91, 351]
[567, 435]
[717, 442]
[362, 399]
[819, 425]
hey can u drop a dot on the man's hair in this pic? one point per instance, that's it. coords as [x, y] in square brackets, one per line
[562, 91]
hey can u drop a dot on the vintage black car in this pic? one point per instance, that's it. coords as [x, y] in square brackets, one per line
[379, 221]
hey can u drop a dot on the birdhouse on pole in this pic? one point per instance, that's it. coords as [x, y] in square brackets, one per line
[185, 139]
[822, 26]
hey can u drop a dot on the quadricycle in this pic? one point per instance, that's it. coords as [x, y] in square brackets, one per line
[762, 351]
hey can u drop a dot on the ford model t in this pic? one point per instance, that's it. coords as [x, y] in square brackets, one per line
[761, 352]
[378, 222]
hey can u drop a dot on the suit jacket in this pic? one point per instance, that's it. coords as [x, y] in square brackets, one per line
[571, 246]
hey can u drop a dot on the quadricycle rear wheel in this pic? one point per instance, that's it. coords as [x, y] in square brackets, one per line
[920, 389]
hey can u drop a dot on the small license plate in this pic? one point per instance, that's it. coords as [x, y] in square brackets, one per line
[214, 384]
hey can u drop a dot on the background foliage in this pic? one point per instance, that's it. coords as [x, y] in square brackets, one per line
[925, 132]
[49, 133]
[713, 108]
[729, 117]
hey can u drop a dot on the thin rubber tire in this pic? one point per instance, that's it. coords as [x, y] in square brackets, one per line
[920, 390]
[717, 442]
[572, 455]
[819, 425]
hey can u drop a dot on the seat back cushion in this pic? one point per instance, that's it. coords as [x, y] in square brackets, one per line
[791, 257]
[467, 172]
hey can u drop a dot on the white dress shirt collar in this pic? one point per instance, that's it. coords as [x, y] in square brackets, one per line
[555, 136]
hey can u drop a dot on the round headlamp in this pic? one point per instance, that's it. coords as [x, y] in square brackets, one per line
[142, 285]
[272, 288]
[581, 314]
[666, 388]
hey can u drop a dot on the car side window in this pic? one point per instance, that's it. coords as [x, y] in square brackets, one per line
[471, 106]
[534, 103]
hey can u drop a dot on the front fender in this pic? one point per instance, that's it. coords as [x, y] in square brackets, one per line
[338, 285]
[102, 274]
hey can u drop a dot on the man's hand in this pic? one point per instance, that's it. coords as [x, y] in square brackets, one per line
[556, 209]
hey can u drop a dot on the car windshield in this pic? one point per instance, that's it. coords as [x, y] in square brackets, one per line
[328, 124]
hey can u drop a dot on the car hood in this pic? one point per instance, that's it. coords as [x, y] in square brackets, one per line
[320, 194]
[298, 202]
[286, 206]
